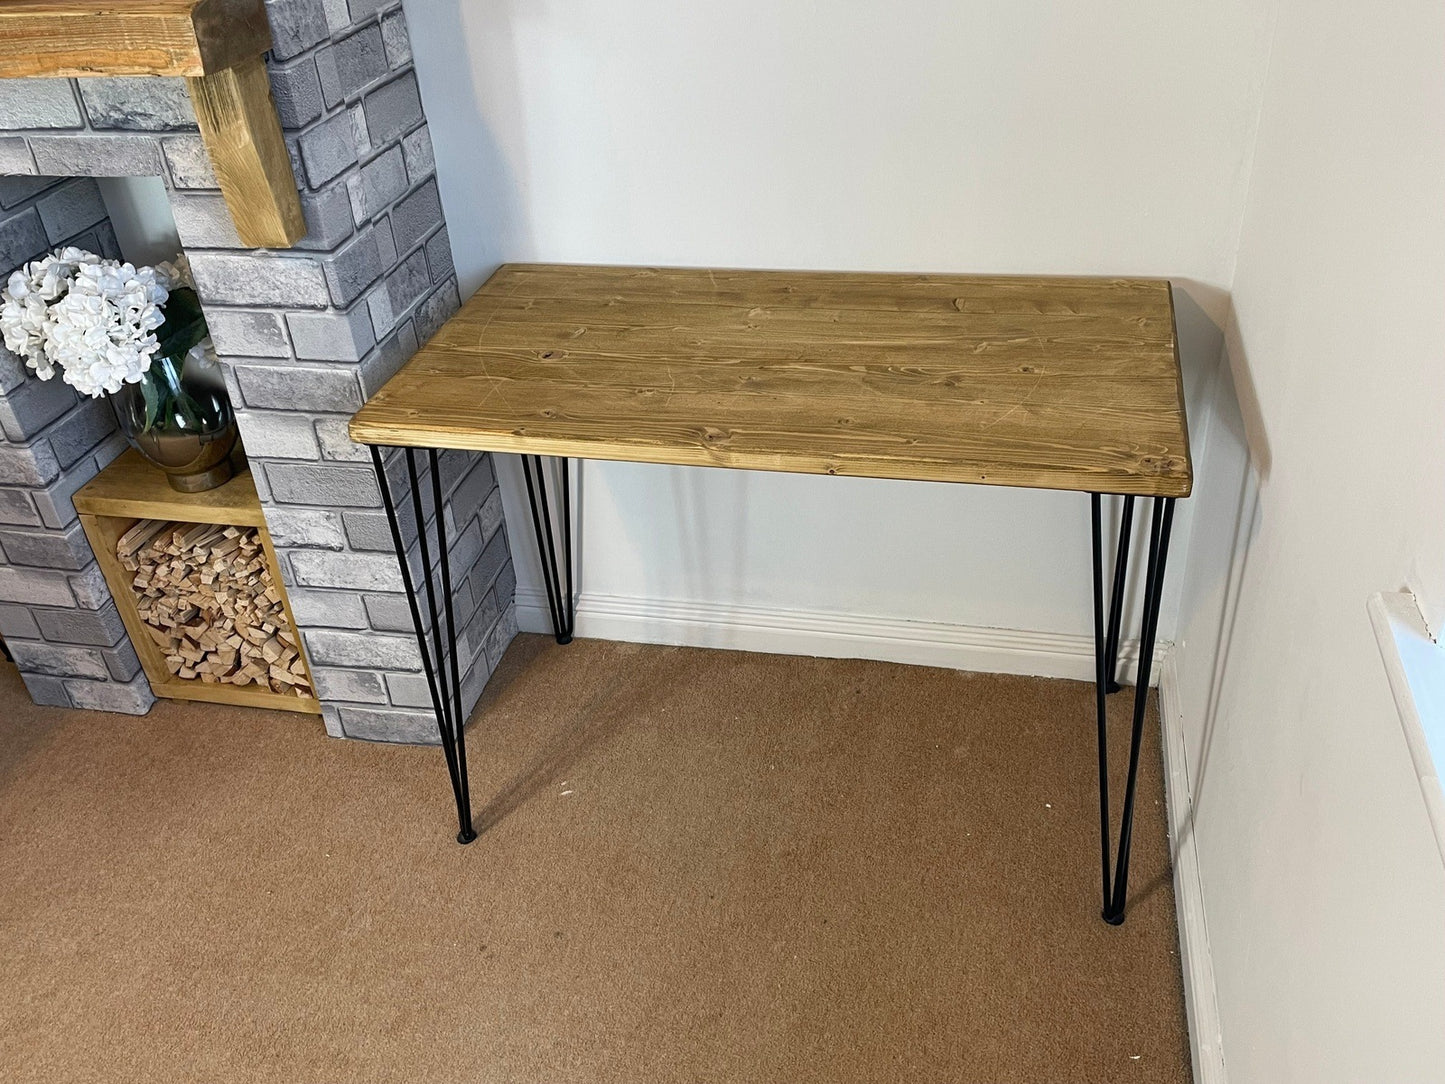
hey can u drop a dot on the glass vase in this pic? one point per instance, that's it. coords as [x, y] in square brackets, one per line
[179, 417]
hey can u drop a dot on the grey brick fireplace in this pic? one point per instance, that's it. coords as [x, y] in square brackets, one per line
[306, 335]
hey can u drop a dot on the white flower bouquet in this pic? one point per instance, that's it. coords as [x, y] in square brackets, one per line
[136, 335]
[99, 322]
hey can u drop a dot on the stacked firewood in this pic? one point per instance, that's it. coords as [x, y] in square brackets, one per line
[208, 600]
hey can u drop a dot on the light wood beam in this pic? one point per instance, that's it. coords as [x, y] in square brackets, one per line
[238, 123]
[128, 37]
[217, 45]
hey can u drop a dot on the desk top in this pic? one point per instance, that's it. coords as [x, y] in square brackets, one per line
[1052, 383]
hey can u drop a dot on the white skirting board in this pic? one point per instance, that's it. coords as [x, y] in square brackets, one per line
[830, 635]
[1205, 1042]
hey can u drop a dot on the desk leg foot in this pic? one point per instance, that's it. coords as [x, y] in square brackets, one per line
[1106, 647]
[557, 576]
[437, 639]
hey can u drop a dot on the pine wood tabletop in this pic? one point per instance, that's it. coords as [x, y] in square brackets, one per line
[1041, 382]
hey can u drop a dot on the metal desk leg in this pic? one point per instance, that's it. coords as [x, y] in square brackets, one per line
[1106, 647]
[558, 578]
[438, 643]
[1116, 599]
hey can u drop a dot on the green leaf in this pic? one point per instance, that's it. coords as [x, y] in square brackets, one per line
[152, 401]
[185, 324]
[189, 411]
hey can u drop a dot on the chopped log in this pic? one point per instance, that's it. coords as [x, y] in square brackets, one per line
[211, 605]
[133, 539]
[187, 538]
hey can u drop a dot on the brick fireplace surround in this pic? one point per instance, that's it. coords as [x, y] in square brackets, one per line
[305, 335]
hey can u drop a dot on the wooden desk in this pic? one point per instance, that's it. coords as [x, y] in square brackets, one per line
[1050, 383]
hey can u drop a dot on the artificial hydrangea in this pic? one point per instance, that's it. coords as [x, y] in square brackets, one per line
[93, 319]
[25, 309]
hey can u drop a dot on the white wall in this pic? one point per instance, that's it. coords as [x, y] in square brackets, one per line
[1324, 894]
[140, 214]
[1009, 135]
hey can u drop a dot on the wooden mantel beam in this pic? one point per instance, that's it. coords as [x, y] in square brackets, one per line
[217, 45]
[238, 123]
[128, 37]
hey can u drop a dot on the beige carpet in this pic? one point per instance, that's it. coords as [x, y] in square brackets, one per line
[695, 866]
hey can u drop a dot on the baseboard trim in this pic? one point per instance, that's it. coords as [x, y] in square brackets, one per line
[1201, 1006]
[830, 635]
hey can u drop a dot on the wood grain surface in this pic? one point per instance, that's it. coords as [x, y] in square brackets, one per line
[1055, 383]
[129, 37]
[217, 45]
[238, 122]
[134, 488]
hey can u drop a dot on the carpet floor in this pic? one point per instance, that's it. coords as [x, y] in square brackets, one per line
[694, 866]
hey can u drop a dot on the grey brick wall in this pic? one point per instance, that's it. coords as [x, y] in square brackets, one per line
[306, 334]
[56, 615]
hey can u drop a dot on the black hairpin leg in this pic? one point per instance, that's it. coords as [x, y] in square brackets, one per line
[1106, 648]
[1116, 598]
[438, 642]
[557, 578]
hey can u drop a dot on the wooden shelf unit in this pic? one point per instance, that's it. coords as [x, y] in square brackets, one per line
[129, 490]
